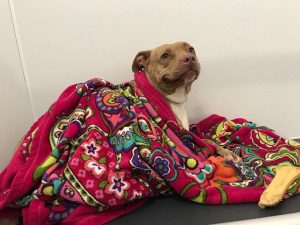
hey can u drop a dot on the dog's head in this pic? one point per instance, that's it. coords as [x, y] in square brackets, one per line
[169, 66]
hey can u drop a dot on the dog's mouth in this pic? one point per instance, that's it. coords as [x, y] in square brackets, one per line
[185, 77]
[167, 80]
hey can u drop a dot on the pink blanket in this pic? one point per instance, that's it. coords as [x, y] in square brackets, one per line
[102, 149]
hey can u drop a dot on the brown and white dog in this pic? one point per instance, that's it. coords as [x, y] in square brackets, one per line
[171, 69]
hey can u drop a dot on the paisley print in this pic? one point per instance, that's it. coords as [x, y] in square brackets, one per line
[102, 146]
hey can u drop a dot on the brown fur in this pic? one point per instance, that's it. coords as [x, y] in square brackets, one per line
[166, 67]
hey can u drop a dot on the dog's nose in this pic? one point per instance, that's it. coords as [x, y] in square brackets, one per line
[189, 59]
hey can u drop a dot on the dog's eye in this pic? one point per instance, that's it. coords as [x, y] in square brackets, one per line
[191, 49]
[164, 56]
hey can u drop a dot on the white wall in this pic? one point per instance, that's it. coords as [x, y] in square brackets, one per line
[249, 50]
[15, 113]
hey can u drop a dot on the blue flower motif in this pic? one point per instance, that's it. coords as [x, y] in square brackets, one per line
[162, 166]
[163, 163]
[91, 149]
[118, 184]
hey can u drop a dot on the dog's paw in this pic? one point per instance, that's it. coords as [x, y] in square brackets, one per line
[229, 155]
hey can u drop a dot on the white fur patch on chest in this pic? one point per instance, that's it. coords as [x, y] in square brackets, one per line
[181, 114]
[179, 96]
[177, 100]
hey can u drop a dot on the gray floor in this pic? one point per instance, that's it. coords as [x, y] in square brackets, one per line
[177, 211]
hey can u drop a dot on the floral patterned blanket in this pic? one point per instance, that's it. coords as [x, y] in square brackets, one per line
[102, 149]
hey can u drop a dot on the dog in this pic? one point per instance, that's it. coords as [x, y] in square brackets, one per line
[172, 69]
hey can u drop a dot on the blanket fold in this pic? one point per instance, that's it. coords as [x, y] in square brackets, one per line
[102, 149]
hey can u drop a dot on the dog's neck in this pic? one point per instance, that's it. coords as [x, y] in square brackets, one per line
[176, 101]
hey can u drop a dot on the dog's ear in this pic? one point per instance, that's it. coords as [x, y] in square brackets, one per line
[140, 61]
